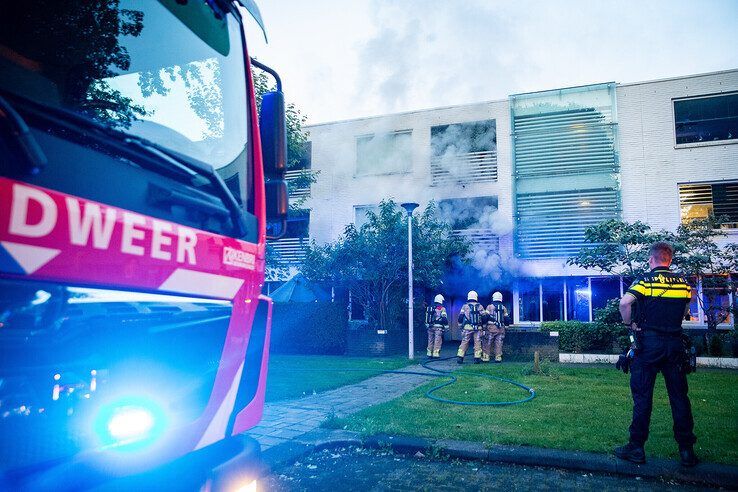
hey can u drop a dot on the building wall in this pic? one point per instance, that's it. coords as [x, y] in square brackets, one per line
[338, 189]
[651, 165]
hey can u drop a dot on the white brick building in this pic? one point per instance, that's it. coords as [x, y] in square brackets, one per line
[550, 163]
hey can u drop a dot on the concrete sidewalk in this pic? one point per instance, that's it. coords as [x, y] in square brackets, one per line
[288, 419]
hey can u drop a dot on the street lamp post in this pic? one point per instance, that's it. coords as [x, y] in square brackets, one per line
[409, 207]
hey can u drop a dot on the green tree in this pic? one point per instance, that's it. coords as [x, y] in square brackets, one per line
[296, 137]
[616, 247]
[621, 248]
[698, 255]
[372, 260]
[296, 148]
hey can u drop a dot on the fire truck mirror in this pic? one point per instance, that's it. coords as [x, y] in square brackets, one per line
[277, 205]
[272, 124]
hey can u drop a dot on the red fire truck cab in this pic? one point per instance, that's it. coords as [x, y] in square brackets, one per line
[137, 183]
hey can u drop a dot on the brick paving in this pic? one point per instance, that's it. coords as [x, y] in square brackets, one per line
[288, 419]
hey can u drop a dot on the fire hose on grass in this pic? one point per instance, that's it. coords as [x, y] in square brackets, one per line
[453, 378]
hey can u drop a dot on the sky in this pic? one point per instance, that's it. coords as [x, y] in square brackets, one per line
[344, 59]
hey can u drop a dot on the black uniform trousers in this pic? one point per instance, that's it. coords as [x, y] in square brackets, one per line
[660, 353]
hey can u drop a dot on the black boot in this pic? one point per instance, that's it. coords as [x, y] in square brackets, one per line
[459, 359]
[477, 360]
[631, 452]
[688, 457]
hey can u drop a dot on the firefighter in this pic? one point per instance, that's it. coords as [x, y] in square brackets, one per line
[436, 320]
[661, 298]
[472, 319]
[495, 332]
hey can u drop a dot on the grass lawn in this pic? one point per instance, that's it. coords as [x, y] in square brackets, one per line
[292, 376]
[577, 407]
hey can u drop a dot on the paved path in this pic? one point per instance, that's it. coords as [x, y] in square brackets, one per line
[288, 419]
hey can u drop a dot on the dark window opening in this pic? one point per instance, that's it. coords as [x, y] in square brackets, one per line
[298, 226]
[706, 119]
[463, 138]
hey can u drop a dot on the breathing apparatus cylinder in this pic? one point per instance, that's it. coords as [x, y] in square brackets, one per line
[473, 315]
[429, 315]
[498, 314]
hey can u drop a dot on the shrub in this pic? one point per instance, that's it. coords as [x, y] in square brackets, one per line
[721, 344]
[309, 328]
[580, 337]
[715, 346]
[610, 314]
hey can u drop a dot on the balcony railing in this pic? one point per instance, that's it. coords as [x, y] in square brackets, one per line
[481, 238]
[291, 250]
[294, 192]
[473, 167]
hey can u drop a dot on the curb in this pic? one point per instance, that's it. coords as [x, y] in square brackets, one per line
[712, 474]
[716, 362]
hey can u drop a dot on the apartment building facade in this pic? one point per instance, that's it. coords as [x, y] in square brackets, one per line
[524, 176]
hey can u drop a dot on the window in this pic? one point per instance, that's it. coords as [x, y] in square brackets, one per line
[553, 299]
[360, 214]
[528, 301]
[474, 218]
[697, 201]
[290, 249]
[384, 153]
[706, 119]
[694, 305]
[298, 226]
[577, 298]
[604, 289]
[464, 153]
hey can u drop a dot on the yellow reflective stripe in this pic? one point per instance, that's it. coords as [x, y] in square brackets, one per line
[678, 285]
[669, 293]
[639, 287]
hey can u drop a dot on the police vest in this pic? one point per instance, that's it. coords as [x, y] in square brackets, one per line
[662, 299]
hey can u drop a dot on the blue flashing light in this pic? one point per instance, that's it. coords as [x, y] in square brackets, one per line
[130, 423]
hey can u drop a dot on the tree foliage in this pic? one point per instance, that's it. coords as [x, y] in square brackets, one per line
[296, 137]
[621, 248]
[616, 247]
[372, 260]
[296, 148]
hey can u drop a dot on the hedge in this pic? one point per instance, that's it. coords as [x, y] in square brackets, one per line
[579, 337]
[602, 338]
[309, 328]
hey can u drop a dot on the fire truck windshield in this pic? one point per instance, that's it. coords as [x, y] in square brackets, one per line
[170, 72]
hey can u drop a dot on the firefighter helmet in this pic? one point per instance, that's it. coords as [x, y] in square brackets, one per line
[472, 296]
[438, 299]
[497, 296]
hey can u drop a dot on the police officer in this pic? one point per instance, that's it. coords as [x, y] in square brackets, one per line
[436, 321]
[495, 333]
[661, 299]
[472, 319]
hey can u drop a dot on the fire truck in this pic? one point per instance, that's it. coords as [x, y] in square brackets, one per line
[138, 183]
